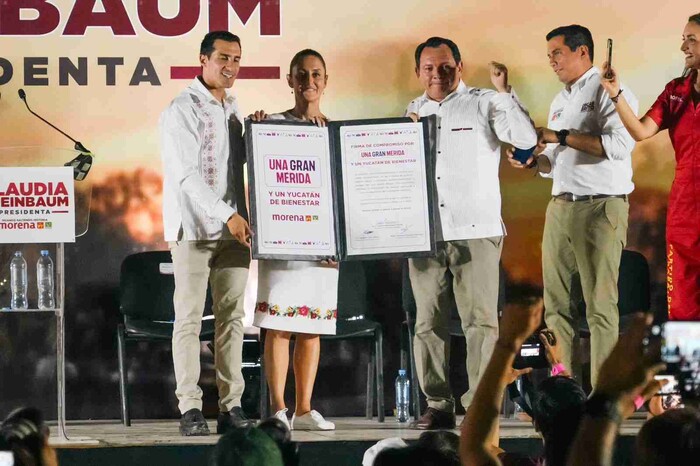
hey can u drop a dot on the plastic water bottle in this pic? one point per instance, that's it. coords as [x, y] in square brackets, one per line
[403, 395]
[44, 281]
[18, 281]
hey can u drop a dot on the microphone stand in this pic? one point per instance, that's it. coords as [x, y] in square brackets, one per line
[83, 162]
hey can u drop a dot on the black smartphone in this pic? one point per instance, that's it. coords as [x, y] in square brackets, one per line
[533, 353]
[680, 351]
[608, 75]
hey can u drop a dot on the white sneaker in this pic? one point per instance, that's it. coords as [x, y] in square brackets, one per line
[311, 421]
[282, 416]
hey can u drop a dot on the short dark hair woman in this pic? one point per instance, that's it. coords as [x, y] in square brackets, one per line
[297, 297]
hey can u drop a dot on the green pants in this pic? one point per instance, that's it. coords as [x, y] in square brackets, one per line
[473, 270]
[581, 249]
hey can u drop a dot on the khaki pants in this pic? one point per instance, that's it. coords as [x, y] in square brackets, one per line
[581, 249]
[224, 264]
[474, 270]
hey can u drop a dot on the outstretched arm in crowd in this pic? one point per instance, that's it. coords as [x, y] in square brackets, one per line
[626, 374]
[480, 429]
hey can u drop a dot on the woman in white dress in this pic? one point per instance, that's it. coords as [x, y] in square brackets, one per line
[297, 297]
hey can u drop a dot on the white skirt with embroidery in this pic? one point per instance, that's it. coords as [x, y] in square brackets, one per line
[297, 296]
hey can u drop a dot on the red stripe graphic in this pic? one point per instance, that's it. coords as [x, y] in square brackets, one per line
[246, 72]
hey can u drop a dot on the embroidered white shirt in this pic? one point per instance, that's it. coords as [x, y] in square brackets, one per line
[587, 108]
[198, 195]
[471, 123]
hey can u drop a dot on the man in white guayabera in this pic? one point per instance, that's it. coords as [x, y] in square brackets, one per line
[206, 228]
[472, 122]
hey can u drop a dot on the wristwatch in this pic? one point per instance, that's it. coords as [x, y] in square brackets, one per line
[601, 406]
[561, 136]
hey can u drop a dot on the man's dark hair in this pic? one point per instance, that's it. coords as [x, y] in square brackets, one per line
[414, 455]
[279, 432]
[207, 47]
[574, 37]
[24, 433]
[695, 19]
[557, 409]
[444, 441]
[670, 439]
[246, 447]
[299, 57]
[435, 42]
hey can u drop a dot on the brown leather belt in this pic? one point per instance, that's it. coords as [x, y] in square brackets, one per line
[588, 197]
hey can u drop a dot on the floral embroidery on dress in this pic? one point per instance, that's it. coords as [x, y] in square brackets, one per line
[296, 311]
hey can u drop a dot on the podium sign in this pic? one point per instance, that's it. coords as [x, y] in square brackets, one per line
[37, 205]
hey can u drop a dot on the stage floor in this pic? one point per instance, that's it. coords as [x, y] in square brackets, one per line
[144, 433]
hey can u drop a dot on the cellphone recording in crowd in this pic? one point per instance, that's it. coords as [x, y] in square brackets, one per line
[608, 74]
[680, 351]
[533, 353]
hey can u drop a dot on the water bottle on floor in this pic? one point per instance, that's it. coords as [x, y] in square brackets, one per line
[44, 281]
[18, 281]
[403, 395]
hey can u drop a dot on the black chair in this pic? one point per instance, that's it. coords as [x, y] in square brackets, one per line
[634, 289]
[352, 324]
[409, 306]
[147, 285]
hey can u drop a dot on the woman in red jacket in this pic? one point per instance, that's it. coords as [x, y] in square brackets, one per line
[678, 110]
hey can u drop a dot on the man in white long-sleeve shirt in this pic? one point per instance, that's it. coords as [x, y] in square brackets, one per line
[205, 224]
[586, 150]
[471, 123]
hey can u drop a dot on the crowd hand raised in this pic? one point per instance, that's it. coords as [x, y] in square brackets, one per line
[513, 374]
[518, 323]
[239, 228]
[499, 76]
[629, 370]
[609, 80]
[259, 115]
[659, 404]
[552, 352]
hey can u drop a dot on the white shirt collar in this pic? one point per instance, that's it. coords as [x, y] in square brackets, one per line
[461, 89]
[580, 82]
[197, 86]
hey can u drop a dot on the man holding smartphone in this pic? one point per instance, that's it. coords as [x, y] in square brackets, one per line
[586, 151]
